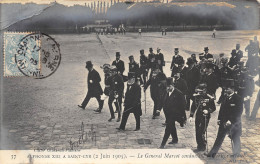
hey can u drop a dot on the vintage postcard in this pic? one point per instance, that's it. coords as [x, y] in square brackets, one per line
[138, 81]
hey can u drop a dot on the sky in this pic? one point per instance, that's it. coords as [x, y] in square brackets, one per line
[65, 2]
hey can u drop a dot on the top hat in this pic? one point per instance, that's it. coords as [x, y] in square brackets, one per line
[131, 75]
[176, 49]
[89, 64]
[105, 66]
[142, 51]
[226, 83]
[117, 53]
[131, 57]
[169, 81]
[113, 68]
[190, 61]
[206, 48]
[150, 49]
[233, 52]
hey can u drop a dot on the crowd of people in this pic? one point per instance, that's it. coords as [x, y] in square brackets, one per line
[191, 88]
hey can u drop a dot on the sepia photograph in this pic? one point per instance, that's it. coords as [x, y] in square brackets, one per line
[129, 81]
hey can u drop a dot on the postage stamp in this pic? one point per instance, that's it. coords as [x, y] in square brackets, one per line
[30, 54]
[11, 43]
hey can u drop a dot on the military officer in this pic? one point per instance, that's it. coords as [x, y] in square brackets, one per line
[94, 87]
[120, 65]
[132, 102]
[177, 62]
[143, 66]
[229, 121]
[116, 84]
[160, 59]
[155, 83]
[204, 105]
[174, 107]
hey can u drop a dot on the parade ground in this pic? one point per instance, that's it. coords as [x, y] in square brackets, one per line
[43, 113]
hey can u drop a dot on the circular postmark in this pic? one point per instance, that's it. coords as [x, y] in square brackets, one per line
[38, 55]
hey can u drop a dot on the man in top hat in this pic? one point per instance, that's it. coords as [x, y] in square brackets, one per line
[229, 121]
[120, 65]
[234, 60]
[132, 102]
[177, 62]
[204, 105]
[160, 59]
[210, 79]
[192, 78]
[156, 87]
[116, 84]
[245, 88]
[206, 54]
[134, 67]
[106, 70]
[94, 87]
[143, 66]
[174, 108]
[152, 60]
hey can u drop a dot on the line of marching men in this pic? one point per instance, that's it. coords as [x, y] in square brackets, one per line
[197, 83]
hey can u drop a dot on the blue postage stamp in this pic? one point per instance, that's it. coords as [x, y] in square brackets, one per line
[19, 53]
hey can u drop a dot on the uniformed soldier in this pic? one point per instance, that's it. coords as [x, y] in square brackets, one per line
[155, 83]
[132, 102]
[143, 66]
[204, 105]
[177, 62]
[245, 88]
[106, 70]
[225, 73]
[206, 54]
[192, 78]
[94, 87]
[210, 79]
[229, 121]
[120, 65]
[160, 59]
[116, 92]
[152, 60]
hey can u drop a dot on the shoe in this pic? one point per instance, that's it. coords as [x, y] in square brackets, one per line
[210, 155]
[120, 129]
[161, 147]
[198, 150]
[153, 117]
[173, 142]
[118, 120]
[111, 119]
[137, 129]
[97, 111]
[81, 107]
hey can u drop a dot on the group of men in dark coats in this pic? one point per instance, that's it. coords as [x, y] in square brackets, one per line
[197, 83]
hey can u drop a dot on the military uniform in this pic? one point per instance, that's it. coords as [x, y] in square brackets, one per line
[117, 88]
[230, 110]
[143, 67]
[202, 102]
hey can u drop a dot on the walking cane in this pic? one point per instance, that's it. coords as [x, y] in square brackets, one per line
[145, 101]
[206, 131]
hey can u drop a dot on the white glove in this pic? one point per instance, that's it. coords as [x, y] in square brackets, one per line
[205, 111]
[116, 96]
[246, 98]
[228, 123]
[90, 81]
[190, 119]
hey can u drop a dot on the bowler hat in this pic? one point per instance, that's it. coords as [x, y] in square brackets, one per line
[117, 53]
[169, 81]
[89, 64]
[206, 48]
